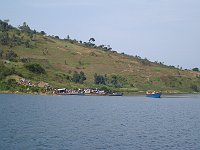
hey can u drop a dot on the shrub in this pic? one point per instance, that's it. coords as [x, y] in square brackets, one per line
[194, 88]
[35, 68]
[11, 82]
[195, 69]
[100, 79]
[11, 55]
[4, 26]
[78, 77]
[1, 53]
[4, 71]
[4, 38]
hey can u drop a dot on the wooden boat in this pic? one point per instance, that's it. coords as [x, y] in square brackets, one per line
[116, 94]
[78, 94]
[64, 91]
[153, 94]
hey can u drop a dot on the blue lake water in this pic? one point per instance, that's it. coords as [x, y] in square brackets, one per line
[89, 123]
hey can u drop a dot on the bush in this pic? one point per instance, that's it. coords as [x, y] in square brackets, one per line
[11, 85]
[35, 68]
[4, 71]
[11, 55]
[100, 79]
[1, 53]
[194, 88]
[4, 26]
[12, 82]
[4, 38]
[78, 77]
[4, 86]
[195, 69]
[35, 89]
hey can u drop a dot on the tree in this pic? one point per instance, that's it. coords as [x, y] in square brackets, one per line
[57, 37]
[82, 77]
[1, 53]
[99, 79]
[195, 69]
[11, 55]
[25, 28]
[11, 82]
[4, 38]
[27, 44]
[43, 33]
[35, 68]
[75, 77]
[194, 88]
[4, 26]
[109, 48]
[78, 77]
[91, 39]
[114, 80]
[4, 71]
[101, 46]
[34, 31]
[14, 40]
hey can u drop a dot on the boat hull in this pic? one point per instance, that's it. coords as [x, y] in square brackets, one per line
[116, 94]
[78, 94]
[155, 95]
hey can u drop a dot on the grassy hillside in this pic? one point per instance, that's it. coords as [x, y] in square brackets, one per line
[60, 58]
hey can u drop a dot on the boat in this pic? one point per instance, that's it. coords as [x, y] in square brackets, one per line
[153, 94]
[116, 94]
[64, 91]
[78, 94]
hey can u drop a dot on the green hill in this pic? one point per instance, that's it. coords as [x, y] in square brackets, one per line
[34, 56]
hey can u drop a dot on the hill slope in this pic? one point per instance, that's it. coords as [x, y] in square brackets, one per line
[63, 58]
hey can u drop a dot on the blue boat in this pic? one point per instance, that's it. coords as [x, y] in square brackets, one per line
[153, 94]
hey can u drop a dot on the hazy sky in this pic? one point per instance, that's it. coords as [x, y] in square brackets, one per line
[161, 30]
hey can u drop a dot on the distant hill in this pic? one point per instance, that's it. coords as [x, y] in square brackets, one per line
[34, 56]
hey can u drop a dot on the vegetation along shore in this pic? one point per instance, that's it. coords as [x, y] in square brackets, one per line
[33, 62]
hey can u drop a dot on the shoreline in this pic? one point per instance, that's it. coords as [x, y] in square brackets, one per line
[141, 93]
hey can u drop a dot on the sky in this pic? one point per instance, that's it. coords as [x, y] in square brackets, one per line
[166, 31]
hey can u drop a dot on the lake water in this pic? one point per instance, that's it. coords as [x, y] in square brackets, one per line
[30, 122]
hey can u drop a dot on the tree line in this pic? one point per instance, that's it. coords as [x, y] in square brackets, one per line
[17, 37]
[113, 80]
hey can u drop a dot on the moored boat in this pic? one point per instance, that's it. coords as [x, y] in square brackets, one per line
[116, 94]
[65, 91]
[153, 94]
[79, 94]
